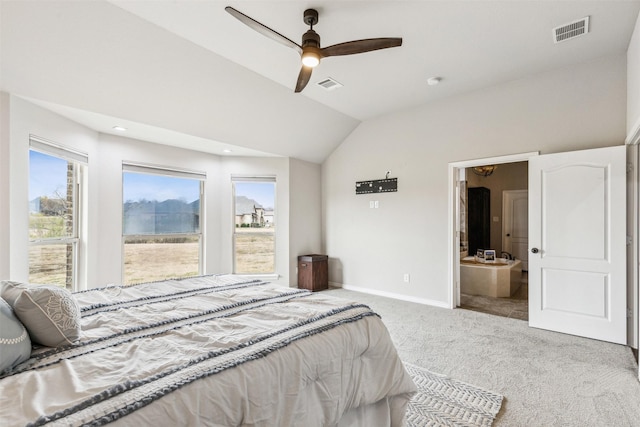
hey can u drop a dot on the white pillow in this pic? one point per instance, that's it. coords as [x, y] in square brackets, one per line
[50, 313]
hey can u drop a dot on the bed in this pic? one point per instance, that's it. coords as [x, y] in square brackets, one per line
[216, 350]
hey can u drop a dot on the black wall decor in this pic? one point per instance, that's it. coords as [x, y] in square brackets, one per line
[386, 185]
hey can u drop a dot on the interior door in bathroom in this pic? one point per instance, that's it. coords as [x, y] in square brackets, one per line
[515, 225]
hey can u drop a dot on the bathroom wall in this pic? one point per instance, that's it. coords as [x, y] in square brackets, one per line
[509, 176]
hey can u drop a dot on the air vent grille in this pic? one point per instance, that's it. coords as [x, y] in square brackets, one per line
[571, 30]
[329, 84]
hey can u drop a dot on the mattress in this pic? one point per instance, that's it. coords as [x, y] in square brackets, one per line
[214, 351]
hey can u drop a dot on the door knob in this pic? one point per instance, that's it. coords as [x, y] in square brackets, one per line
[508, 234]
[534, 250]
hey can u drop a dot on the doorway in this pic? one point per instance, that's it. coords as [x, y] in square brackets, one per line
[577, 231]
[494, 239]
[492, 176]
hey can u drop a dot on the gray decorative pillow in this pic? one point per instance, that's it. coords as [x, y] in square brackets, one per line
[50, 313]
[15, 345]
[10, 291]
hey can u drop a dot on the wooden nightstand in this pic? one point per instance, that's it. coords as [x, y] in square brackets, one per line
[313, 272]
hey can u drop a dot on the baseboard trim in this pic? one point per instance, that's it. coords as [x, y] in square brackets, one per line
[424, 301]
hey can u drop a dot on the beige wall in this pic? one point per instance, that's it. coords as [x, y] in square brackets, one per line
[305, 204]
[573, 108]
[508, 176]
[633, 86]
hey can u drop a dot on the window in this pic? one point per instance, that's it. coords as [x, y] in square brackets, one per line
[255, 225]
[54, 213]
[161, 223]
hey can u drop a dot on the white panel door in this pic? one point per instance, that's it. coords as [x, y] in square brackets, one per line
[577, 233]
[515, 225]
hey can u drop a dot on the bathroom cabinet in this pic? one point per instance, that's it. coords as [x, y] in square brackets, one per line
[479, 217]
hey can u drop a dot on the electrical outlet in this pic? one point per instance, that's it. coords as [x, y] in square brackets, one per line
[371, 204]
[406, 278]
[376, 204]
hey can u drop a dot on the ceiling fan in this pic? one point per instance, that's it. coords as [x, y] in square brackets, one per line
[310, 49]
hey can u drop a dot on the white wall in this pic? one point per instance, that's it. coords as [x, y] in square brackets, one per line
[26, 119]
[305, 217]
[633, 137]
[633, 86]
[112, 151]
[255, 166]
[103, 245]
[101, 58]
[568, 109]
[4, 184]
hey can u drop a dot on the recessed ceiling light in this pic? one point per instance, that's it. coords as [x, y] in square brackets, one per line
[432, 81]
[226, 150]
[119, 128]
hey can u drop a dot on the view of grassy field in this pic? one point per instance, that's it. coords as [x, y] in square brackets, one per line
[149, 261]
[255, 250]
[146, 262]
[48, 264]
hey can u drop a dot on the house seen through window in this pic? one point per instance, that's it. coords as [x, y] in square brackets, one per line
[161, 223]
[255, 225]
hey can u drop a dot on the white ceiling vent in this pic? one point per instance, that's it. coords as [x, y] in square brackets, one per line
[571, 30]
[329, 84]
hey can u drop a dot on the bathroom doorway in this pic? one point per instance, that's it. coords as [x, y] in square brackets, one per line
[497, 284]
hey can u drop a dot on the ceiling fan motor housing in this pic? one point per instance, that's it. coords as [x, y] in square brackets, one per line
[311, 38]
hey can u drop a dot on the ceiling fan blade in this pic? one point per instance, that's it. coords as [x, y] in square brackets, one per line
[360, 46]
[303, 78]
[263, 29]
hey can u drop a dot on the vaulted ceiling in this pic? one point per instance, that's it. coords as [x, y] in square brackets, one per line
[187, 73]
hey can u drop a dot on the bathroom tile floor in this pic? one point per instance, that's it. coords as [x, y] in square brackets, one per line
[515, 307]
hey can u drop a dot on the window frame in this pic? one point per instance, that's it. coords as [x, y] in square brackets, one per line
[79, 161]
[257, 179]
[173, 172]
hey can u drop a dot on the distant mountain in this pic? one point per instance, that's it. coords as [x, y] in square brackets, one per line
[165, 217]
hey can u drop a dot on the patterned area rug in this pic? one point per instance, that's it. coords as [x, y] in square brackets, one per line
[442, 401]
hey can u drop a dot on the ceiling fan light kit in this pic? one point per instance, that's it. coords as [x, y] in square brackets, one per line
[310, 58]
[310, 51]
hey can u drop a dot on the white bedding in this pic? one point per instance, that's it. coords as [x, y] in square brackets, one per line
[214, 351]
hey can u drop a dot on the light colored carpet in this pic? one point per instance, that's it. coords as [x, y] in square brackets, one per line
[546, 378]
[443, 401]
